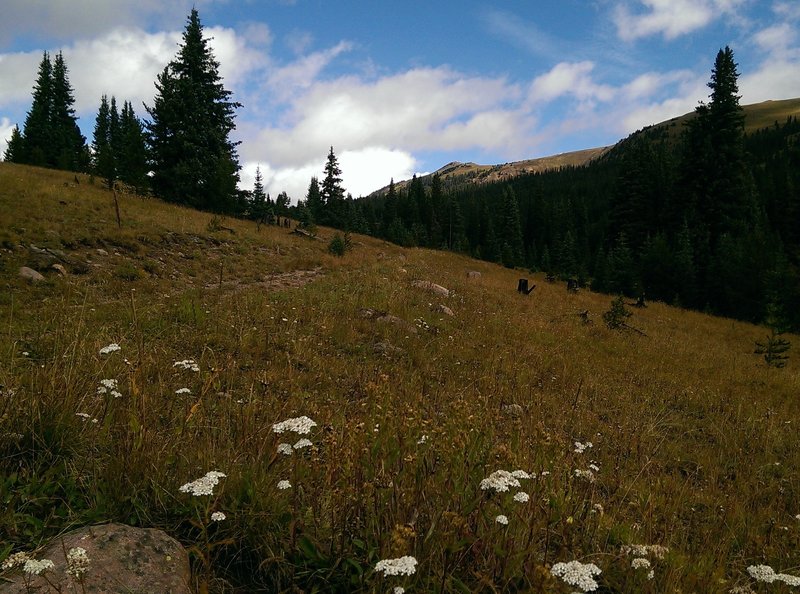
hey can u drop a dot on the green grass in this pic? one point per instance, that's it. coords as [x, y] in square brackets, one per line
[694, 436]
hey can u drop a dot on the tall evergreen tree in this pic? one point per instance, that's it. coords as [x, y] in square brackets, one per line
[132, 166]
[103, 157]
[332, 192]
[37, 131]
[194, 161]
[14, 148]
[314, 202]
[68, 147]
[513, 247]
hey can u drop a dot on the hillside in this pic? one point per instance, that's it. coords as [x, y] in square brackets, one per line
[757, 116]
[676, 436]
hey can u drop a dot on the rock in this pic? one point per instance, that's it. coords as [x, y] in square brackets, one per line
[121, 559]
[433, 287]
[101, 252]
[444, 309]
[59, 268]
[386, 348]
[386, 318]
[473, 274]
[30, 274]
[513, 411]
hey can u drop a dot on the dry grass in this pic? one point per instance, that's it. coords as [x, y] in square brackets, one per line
[694, 437]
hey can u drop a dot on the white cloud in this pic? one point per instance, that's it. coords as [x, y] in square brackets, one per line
[568, 78]
[775, 79]
[287, 81]
[777, 39]
[6, 126]
[670, 18]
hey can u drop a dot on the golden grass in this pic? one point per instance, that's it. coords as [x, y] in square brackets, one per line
[694, 437]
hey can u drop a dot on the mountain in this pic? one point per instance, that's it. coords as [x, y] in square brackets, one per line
[757, 116]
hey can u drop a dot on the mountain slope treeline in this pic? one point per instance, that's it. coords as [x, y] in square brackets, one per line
[699, 214]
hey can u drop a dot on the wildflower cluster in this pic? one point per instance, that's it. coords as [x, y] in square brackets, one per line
[582, 447]
[301, 425]
[218, 516]
[34, 567]
[284, 484]
[113, 347]
[587, 475]
[16, 559]
[638, 550]
[187, 364]
[577, 574]
[180, 391]
[501, 519]
[204, 485]
[499, 481]
[109, 386]
[765, 573]
[406, 565]
[77, 562]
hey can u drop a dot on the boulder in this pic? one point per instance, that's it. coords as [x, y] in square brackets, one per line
[433, 287]
[121, 559]
[473, 274]
[444, 309]
[59, 268]
[30, 274]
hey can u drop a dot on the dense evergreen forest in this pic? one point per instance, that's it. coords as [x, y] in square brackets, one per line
[699, 215]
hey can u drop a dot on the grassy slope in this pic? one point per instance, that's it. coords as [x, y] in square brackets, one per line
[695, 439]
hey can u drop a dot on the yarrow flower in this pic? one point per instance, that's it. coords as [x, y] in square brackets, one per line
[77, 562]
[764, 573]
[501, 519]
[109, 386]
[183, 391]
[640, 563]
[521, 474]
[217, 516]
[204, 485]
[587, 475]
[301, 425]
[302, 443]
[34, 567]
[406, 565]
[284, 485]
[399, 590]
[582, 447]
[187, 364]
[500, 481]
[16, 559]
[110, 348]
[638, 550]
[422, 439]
[577, 574]
[285, 449]
[521, 497]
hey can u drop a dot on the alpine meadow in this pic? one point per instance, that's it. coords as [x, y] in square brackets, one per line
[347, 394]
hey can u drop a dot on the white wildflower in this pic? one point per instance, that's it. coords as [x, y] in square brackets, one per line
[651, 574]
[217, 516]
[284, 485]
[594, 467]
[399, 590]
[521, 497]
[302, 443]
[16, 559]
[285, 449]
[544, 473]
[640, 563]
[204, 485]
[597, 508]
[82, 415]
[501, 519]
[521, 474]
[422, 439]
[406, 565]
[577, 574]
[638, 550]
[301, 425]
[77, 562]
[183, 391]
[587, 475]
[797, 517]
[187, 364]
[34, 567]
[110, 348]
[500, 481]
[582, 447]
[762, 573]
[109, 386]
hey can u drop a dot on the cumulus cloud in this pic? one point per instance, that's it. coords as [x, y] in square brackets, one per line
[569, 78]
[670, 18]
[6, 126]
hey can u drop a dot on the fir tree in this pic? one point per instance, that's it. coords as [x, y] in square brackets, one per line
[513, 247]
[68, 147]
[14, 148]
[194, 161]
[103, 157]
[131, 155]
[332, 192]
[37, 131]
[314, 202]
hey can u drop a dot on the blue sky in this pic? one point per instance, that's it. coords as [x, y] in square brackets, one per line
[404, 87]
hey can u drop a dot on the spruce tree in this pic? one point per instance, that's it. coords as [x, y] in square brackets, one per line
[37, 131]
[513, 247]
[68, 148]
[194, 161]
[332, 192]
[13, 153]
[314, 202]
[131, 152]
[103, 157]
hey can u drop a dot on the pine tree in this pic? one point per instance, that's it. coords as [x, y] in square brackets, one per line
[332, 192]
[131, 155]
[194, 161]
[513, 247]
[14, 148]
[103, 157]
[68, 148]
[37, 132]
[314, 202]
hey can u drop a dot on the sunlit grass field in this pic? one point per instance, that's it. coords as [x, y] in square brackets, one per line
[680, 437]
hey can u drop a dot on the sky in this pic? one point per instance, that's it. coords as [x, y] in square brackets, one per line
[398, 88]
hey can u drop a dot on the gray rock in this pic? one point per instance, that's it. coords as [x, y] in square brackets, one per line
[101, 252]
[59, 268]
[513, 411]
[445, 310]
[473, 274]
[122, 559]
[433, 287]
[30, 274]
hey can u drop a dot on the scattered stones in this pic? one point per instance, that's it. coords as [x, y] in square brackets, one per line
[433, 287]
[59, 268]
[30, 274]
[121, 559]
[444, 309]
[386, 348]
[386, 318]
[101, 252]
[473, 274]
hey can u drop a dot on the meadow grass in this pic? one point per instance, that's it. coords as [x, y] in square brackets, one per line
[694, 439]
